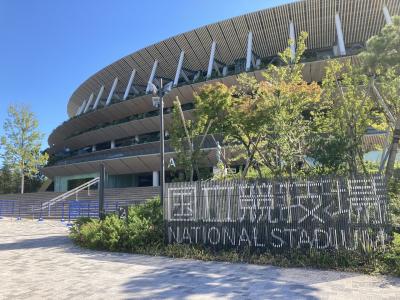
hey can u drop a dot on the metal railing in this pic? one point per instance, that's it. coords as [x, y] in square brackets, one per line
[68, 194]
[129, 151]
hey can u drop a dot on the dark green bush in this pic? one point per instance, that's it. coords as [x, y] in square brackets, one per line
[394, 203]
[142, 228]
[86, 232]
[391, 258]
[111, 231]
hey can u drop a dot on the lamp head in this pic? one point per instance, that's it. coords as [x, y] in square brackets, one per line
[153, 88]
[156, 101]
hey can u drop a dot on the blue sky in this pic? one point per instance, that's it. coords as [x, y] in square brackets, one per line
[48, 48]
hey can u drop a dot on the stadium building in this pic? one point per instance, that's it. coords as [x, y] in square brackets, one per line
[111, 115]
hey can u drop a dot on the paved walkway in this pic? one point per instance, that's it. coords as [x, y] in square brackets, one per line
[37, 260]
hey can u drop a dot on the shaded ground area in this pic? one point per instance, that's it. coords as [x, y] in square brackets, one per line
[38, 260]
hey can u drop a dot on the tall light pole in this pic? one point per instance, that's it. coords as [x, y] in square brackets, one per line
[158, 101]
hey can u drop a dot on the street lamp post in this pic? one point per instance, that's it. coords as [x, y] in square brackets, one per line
[159, 102]
[162, 165]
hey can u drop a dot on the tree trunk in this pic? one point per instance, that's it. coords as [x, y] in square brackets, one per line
[393, 150]
[22, 183]
[191, 174]
[248, 162]
[257, 167]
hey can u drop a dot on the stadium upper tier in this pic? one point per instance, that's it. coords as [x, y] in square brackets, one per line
[245, 43]
[270, 30]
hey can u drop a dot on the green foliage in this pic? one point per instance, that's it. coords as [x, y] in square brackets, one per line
[383, 49]
[391, 258]
[187, 138]
[8, 180]
[382, 60]
[21, 143]
[263, 122]
[290, 100]
[87, 232]
[344, 115]
[394, 203]
[143, 228]
[112, 232]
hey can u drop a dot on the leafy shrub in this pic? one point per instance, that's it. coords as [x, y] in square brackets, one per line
[391, 258]
[394, 203]
[79, 222]
[87, 233]
[111, 231]
[143, 228]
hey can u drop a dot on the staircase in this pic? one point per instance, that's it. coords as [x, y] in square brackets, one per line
[42, 205]
[68, 194]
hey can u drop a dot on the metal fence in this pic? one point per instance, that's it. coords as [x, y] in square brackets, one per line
[323, 213]
[67, 210]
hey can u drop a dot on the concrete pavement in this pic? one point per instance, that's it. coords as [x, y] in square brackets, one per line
[38, 261]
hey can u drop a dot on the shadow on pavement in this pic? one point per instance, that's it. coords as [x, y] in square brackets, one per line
[163, 277]
[42, 242]
[221, 280]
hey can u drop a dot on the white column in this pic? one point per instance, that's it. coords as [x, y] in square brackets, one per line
[82, 107]
[258, 63]
[211, 61]
[249, 50]
[113, 87]
[292, 37]
[155, 178]
[112, 144]
[79, 110]
[98, 97]
[216, 68]
[179, 68]
[225, 71]
[128, 87]
[89, 102]
[339, 32]
[386, 13]
[151, 78]
[196, 76]
[93, 148]
[335, 50]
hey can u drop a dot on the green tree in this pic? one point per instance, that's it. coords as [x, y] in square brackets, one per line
[21, 143]
[7, 180]
[187, 139]
[235, 113]
[381, 59]
[264, 123]
[288, 103]
[345, 113]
